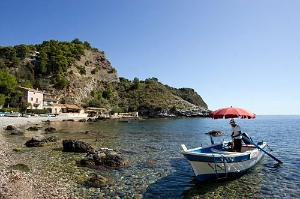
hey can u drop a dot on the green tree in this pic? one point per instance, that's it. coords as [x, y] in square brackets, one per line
[94, 103]
[76, 41]
[2, 63]
[113, 70]
[2, 100]
[41, 63]
[87, 45]
[22, 50]
[27, 84]
[8, 82]
[107, 94]
[95, 70]
[15, 62]
[136, 83]
[7, 52]
[61, 82]
[173, 109]
[132, 108]
[99, 95]
[23, 105]
[93, 93]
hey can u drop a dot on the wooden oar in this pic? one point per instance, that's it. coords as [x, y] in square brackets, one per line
[262, 149]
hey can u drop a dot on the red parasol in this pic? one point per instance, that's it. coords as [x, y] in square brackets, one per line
[232, 112]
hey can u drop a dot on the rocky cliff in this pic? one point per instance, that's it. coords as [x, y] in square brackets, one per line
[98, 70]
[150, 97]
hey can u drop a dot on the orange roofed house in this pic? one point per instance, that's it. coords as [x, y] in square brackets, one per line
[66, 110]
[40, 100]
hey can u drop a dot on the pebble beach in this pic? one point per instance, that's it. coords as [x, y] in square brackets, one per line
[18, 121]
[17, 184]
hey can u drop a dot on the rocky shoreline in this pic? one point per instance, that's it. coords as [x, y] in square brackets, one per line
[17, 184]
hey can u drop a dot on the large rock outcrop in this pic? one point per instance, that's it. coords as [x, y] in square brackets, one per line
[105, 158]
[70, 145]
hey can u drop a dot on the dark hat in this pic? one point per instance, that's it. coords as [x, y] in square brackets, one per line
[232, 121]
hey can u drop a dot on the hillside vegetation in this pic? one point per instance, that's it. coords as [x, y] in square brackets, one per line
[76, 73]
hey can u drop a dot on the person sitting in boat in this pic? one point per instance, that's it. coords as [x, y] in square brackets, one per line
[230, 146]
[236, 136]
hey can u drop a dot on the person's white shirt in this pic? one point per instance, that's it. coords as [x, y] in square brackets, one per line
[235, 131]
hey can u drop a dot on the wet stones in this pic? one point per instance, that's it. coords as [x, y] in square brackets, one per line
[36, 141]
[52, 139]
[17, 131]
[105, 157]
[50, 129]
[98, 181]
[21, 167]
[91, 120]
[10, 127]
[70, 145]
[40, 141]
[33, 128]
[215, 133]
[14, 130]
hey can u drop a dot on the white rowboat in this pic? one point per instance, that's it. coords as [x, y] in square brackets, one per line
[215, 161]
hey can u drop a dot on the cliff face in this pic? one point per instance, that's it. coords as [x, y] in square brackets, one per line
[149, 97]
[98, 70]
[91, 80]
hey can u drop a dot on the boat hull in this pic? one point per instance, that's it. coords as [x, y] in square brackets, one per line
[220, 164]
[13, 114]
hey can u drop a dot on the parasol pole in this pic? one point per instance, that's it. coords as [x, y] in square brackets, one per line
[262, 149]
[212, 141]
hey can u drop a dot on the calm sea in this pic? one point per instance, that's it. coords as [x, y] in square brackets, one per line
[158, 170]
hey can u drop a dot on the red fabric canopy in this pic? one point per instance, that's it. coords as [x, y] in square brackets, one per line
[232, 112]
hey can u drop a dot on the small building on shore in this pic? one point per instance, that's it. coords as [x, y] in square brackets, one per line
[97, 112]
[126, 115]
[32, 96]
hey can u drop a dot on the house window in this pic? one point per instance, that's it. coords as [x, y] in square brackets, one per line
[32, 99]
[37, 100]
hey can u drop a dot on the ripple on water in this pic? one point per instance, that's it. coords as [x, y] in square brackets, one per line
[157, 169]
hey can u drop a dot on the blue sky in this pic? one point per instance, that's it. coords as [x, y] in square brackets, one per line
[232, 53]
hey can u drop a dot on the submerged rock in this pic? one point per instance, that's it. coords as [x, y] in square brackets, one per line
[106, 158]
[52, 139]
[33, 128]
[98, 181]
[215, 133]
[36, 141]
[10, 127]
[50, 129]
[40, 141]
[20, 167]
[70, 145]
[17, 131]
[91, 120]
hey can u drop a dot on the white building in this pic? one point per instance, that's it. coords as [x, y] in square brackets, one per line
[33, 96]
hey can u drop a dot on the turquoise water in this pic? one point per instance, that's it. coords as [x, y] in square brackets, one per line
[158, 170]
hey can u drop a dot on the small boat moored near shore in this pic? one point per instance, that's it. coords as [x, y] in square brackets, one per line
[216, 161]
[13, 114]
